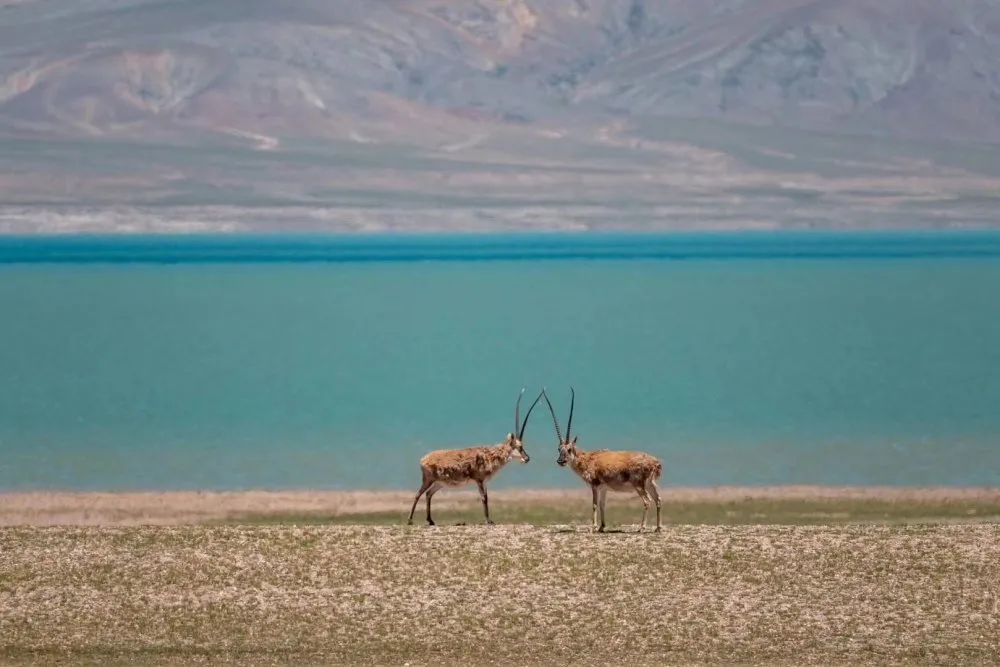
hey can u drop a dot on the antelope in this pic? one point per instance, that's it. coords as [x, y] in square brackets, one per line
[455, 467]
[604, 469]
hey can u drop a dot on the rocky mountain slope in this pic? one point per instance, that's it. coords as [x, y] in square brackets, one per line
[379, 114]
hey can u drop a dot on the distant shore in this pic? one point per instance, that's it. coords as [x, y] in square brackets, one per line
[705, 505]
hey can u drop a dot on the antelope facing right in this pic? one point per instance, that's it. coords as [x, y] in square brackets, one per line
[604, 469]
[455, 467]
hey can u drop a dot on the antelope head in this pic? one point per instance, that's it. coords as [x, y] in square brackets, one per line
[514, 440]
[567, 447]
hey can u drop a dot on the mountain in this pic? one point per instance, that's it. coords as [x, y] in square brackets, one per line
[187, 115]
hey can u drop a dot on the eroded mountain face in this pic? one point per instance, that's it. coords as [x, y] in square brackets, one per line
[897, 67]
[514, 81]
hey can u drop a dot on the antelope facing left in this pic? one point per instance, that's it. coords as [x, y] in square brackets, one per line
[455, 467]
[604, 469]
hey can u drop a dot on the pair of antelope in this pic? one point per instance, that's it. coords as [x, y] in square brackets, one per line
[600, 470]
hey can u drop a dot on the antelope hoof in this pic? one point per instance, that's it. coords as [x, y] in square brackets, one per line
[601, 529]
[410, 522]
[489, 522]
[430, 523]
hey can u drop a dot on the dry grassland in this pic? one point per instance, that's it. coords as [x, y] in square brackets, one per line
[515, 594]
[786, 505]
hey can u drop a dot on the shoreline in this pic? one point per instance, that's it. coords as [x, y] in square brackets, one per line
[765, 504]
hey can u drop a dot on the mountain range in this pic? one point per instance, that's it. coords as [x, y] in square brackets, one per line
[371, 115]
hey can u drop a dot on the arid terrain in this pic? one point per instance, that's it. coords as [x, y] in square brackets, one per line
[787, 505]
[417, 115]
[921, 585]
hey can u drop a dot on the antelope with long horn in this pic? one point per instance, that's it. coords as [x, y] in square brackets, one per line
[455, 467]
[604, 469]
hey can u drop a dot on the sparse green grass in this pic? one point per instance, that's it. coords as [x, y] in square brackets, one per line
[791, 505]
[628, 509]
[501, 595]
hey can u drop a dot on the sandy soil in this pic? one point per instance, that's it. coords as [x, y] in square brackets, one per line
[48, 508]
[501, 595]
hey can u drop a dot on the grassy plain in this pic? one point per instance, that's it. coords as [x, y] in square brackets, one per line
[910, 577]
[784, 505]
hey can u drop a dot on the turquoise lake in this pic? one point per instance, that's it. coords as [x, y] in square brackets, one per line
[336, 362]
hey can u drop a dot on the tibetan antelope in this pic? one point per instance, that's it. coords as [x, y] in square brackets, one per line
[604, 469]
[455, 467]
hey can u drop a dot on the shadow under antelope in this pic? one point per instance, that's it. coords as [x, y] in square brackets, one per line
[605, 469]
[456, 467]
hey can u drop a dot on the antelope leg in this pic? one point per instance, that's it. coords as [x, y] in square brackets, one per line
[423, 487]
[644, 496]
[430, 494]
[603, 498]
[593, 518]
[655, 492]
[486, 501]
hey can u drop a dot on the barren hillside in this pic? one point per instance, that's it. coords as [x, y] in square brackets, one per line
[497, 114]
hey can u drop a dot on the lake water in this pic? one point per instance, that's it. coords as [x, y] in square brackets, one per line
[326, 362]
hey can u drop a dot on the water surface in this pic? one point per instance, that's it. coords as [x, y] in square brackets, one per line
[335, 362]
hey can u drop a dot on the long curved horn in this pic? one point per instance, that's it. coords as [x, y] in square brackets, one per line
[524, 424]
[554, 420]
[572, 403]
[517, 411]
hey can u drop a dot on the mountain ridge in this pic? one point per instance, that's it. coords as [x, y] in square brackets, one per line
[317, 105]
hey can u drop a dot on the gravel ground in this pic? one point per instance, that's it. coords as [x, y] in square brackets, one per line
[729, 505]
[502, 595]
